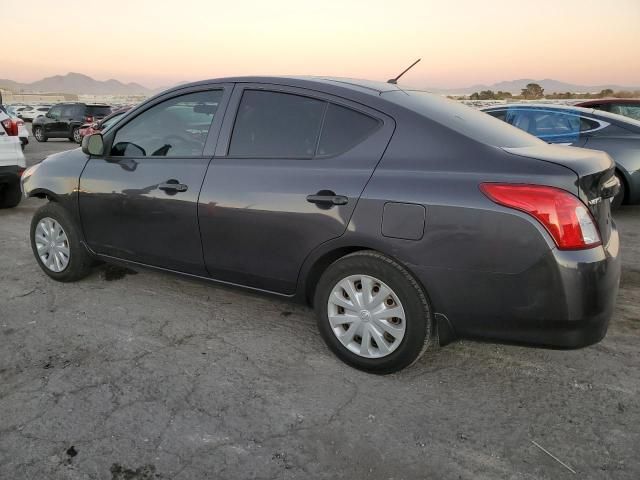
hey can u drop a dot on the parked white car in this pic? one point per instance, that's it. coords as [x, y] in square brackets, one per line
[31, 112]
[12, 162]
[23, 131]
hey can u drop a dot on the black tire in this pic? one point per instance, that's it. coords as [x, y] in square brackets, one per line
[38, 133]
[80, 261]
[420, 332]
[10, 195]
[619, 198]
[75, 135]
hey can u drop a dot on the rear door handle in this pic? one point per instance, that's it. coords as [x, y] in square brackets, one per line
[327, 198]
[173, 186]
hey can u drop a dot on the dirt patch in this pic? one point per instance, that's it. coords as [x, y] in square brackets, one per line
[146, 472]
[630, 278]
[113, 272]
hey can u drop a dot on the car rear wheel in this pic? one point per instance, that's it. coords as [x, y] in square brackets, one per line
[56, 244]
[619, 198]
[372, 313]
[10, 195]
[38, 132]
[75, 135]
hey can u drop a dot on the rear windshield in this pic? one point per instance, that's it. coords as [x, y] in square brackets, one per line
[98, 110]
[465, 120]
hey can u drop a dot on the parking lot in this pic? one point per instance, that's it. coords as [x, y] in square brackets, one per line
[129, 375]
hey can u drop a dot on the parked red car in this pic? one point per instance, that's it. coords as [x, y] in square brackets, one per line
[95, 127]
[629, 107]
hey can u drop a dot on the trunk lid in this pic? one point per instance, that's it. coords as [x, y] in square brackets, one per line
[596, 183]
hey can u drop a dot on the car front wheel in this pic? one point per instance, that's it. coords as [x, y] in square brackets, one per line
[55, 242]
[372, 313]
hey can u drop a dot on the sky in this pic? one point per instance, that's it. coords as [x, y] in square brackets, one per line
[461, 42]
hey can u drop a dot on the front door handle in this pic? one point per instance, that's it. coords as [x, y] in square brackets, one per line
[327, 198]
[173, 186]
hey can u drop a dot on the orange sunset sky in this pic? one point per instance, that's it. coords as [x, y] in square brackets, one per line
[461, 42]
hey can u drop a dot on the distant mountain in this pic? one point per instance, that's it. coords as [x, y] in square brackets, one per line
[549, 85]
[79, 84]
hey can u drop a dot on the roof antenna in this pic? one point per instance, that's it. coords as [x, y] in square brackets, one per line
[394, 81]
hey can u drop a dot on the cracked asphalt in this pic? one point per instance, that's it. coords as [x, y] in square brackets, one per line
[151, 376]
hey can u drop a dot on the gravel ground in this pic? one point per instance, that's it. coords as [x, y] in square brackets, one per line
[141, 376]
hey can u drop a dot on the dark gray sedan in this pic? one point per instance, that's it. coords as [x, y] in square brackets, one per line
[405, 219]
[584, 127]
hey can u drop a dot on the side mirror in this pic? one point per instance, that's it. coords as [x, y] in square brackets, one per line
[93, 145]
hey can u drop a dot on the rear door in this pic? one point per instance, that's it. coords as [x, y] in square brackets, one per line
[139, 202]
[289, 168]
[66, 118]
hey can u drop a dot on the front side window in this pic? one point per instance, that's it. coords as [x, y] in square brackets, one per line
[273, 124]
[54, 112]
[175, 127]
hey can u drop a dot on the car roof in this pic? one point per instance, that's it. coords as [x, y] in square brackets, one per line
[600, 101]
[319, 82]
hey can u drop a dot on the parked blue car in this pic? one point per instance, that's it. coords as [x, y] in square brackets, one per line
[584, 127]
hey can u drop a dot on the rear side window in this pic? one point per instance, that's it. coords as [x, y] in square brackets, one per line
[587, 124]
[499, 114]
[273, 124]
[548, 123]
[98, 111]
[344, 128]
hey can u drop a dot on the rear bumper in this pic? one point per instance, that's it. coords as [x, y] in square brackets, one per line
[565, 300]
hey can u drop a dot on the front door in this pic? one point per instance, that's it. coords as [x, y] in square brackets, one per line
[289, 169]
[139, 201]
[52, 125]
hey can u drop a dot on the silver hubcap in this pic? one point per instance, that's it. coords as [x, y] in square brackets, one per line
[38, 133]
[366, 316]
[76, 135]
[52, 244]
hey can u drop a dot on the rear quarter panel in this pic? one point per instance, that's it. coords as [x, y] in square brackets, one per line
[625, 151]
[471, 247]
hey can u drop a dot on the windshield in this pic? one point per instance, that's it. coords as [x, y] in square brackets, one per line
[112, 120]
[465, 120]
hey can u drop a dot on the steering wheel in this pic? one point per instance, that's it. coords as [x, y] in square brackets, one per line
[182, 141]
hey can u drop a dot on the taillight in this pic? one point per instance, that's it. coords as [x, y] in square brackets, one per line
[10, 126]
[88, 119]
[564, 216]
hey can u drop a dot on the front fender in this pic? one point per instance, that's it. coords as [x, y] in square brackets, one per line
[57, 178]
